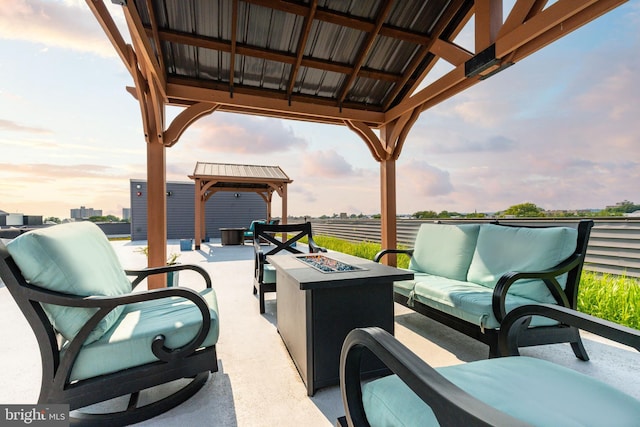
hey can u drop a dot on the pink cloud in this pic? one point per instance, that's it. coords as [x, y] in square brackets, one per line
[235, 133]
[53, 23]
[9, 125]
[326, 164]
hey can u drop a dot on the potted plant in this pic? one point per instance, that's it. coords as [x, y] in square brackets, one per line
[172, 276]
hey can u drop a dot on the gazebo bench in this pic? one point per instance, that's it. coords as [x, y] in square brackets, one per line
[469, 276]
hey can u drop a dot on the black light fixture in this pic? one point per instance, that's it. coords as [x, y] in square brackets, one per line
[169, 193]
[236, 195]
[484, 61]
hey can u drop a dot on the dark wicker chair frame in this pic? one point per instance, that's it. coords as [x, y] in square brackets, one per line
[451, 405]
[267, 233]
[533, 336]
[190, 361]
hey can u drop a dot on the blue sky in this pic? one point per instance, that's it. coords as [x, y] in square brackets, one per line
[560, 129]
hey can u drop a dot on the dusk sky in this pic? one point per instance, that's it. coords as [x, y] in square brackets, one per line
[560, 129]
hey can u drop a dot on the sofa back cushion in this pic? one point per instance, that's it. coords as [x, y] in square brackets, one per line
[501, 249]
[77, 259]
[444, 249]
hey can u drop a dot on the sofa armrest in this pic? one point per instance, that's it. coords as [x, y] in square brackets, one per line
[384, 252]
[450, 404]
[519, 318]
[549, 277]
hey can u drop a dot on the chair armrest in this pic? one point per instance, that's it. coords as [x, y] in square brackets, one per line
[450, 404]
[549, 277]
[384, 252]
[520, 317]
[105, 304]
[146, 272]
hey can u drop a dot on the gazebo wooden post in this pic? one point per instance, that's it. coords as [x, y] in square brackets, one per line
[283, 195]
[269, 200]
[197, 217]
[203, 222]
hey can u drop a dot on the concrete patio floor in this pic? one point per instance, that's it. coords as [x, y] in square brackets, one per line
[257, 383]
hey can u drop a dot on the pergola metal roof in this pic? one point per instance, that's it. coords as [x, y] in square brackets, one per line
[358, 63]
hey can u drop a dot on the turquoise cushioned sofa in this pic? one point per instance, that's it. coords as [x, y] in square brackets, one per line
[469, 276]
[98, 338]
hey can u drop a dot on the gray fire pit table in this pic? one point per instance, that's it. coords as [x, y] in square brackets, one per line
[316, 310]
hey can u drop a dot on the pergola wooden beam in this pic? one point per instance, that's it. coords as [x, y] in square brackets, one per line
[256, 104]
[269, 55]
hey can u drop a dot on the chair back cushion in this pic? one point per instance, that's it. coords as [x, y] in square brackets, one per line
[501, 249]
[77, 259]
[444, 249]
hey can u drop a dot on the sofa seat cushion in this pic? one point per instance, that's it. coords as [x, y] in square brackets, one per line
[467, 301]
[74, 258]
[444, 250]
[128, 342]
[501, 249]
[532, 390]
[269, 274]
[404, 287]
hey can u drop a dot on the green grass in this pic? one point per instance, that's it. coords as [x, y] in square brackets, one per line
[610, 297]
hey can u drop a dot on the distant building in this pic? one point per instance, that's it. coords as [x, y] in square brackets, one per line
[84, 213]
[18, 219]
[126, 213]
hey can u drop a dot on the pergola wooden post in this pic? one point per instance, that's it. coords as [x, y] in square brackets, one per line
[386, 150]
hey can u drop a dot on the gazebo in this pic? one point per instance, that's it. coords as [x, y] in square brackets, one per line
[360, 64]
[213, 177]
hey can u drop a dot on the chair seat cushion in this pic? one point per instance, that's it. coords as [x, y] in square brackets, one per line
[269, 274]
[128, 342]
[77, 259]
[535, 391]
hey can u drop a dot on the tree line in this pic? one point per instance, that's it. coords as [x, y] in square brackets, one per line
[531, 210]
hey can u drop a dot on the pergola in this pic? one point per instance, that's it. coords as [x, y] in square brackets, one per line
[354, 63]
[211, 178]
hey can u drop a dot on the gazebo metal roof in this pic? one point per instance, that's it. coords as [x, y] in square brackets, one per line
[359, 63]
[250, 176]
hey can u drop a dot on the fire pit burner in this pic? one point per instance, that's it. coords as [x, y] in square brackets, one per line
[325, 264]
